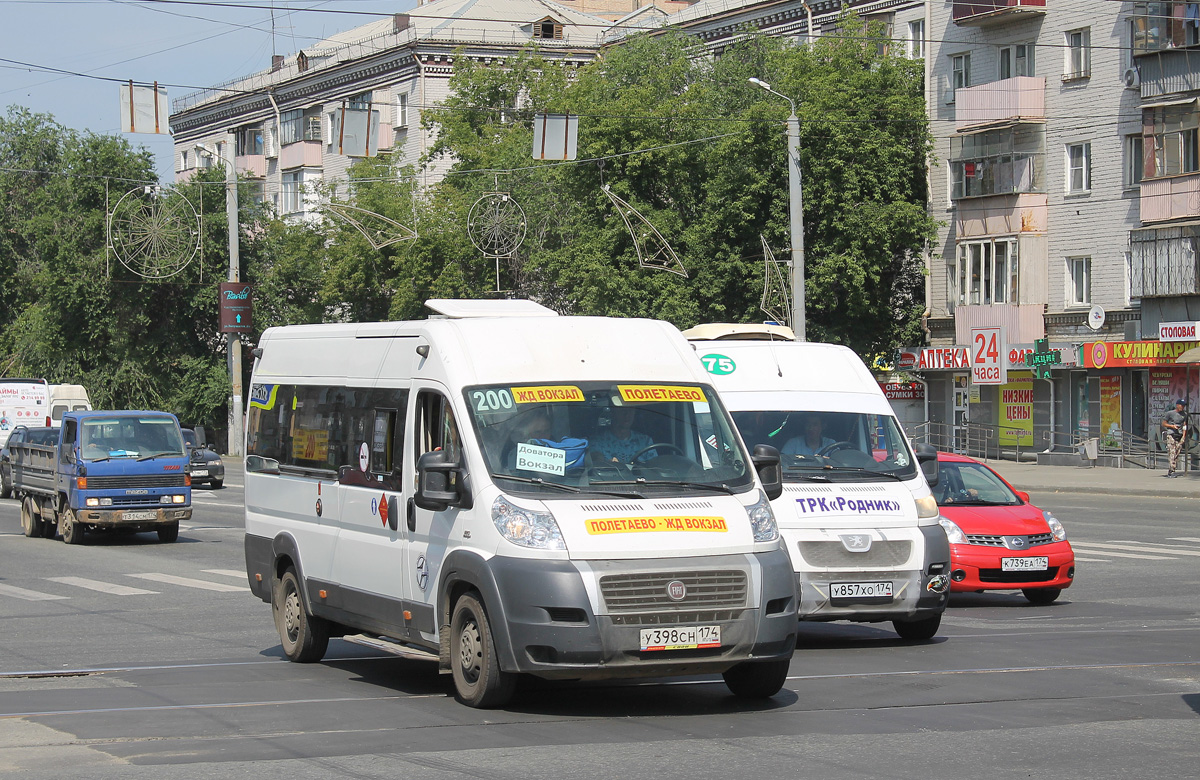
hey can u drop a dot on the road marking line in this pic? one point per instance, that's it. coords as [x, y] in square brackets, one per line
[188, 582]
[103, 587]
[28, 595]
[1140, 547]
[1184, 539]
[1129, 555]
[241, 575]
[1156, 547]
[220, 503]
[1092, 560]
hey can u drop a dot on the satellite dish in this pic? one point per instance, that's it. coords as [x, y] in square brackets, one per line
[1095, 318]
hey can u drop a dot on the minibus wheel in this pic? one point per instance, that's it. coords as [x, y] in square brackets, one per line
[478, 680]
[757, 679]
[304, 637]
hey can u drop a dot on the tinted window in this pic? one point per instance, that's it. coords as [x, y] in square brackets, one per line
[329, 429]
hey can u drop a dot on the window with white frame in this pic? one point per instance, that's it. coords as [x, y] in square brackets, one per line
[1079, 167]
[916, 39]
[290, 193]
[960, 71]
[402, 109]
[1079, 56]
[1016, 60]
[1172, 132]
[1079, 292]
[1135, 159]
[291, 126]
[185, 163]
[986, 272]
[359, 102]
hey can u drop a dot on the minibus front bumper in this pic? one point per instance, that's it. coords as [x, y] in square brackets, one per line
[553, 631]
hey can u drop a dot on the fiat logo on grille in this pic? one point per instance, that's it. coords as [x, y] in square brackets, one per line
[676, 590]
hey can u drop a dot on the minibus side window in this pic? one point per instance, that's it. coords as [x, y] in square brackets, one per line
[436, 427]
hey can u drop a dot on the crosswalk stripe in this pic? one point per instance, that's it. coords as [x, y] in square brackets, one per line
[1127, 555]
[188, 582]
[1184, 539]
[1163, 550]
[1158, 547]
[103, 587]
[241, 575]
[1091, 560]
[28, 595]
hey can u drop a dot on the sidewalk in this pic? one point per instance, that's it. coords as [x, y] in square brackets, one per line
[1108, 481]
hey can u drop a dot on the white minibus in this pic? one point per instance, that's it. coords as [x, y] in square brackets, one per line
[856, 512]
[513, 492]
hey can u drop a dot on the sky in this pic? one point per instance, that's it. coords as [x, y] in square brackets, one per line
[195, 44]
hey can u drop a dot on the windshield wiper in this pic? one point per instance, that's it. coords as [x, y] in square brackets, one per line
[685, 483]
[570, 488]
[154, 455]
[862, 470]
[806, 477]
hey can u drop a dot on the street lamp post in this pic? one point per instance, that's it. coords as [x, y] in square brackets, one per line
[796, 210]
[233, 341]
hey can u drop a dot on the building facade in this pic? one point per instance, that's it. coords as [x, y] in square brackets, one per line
[1047, 182]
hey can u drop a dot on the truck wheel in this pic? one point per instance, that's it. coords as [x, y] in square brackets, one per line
[31, 522]
[757, 680]
[217, 484]
[478, 680]
[168, 533]
[917, 630]
[304, 637]
[72, 529]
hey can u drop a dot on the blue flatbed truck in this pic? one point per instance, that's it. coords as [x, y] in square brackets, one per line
[108, 471]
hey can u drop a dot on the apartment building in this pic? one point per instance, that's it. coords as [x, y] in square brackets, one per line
[1054, 186]
[303, 122]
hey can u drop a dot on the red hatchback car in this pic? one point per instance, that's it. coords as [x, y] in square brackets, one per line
[998, 540]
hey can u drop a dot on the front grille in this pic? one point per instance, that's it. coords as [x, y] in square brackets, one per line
[999, 575]
[137, 481]
[629, 593]
[677, 618]
[831, 554]
[138, 501]
[992, 540]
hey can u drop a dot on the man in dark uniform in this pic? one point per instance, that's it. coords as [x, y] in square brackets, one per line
[1175, 423]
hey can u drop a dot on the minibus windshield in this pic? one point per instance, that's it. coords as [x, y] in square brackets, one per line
[623, 438]
[837, 446]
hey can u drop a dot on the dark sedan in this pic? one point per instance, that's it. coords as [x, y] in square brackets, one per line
[207, 467]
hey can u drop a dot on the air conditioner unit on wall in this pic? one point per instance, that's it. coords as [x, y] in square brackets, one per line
[1132, 78]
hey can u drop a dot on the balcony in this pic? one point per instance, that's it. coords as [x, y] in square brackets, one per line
[1163, 261]
[1003, 215]
[980, 14]
[1175, 197]
[1021, 98]
[252, 165]
[306, 154]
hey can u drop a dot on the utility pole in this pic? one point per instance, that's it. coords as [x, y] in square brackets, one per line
[233, 340]
[796, 211]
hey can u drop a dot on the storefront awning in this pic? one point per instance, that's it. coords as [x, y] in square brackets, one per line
[1191, 356]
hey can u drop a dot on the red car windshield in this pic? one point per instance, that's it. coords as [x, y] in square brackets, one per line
[974, 484]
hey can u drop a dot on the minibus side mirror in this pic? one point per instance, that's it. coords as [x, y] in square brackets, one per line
[261, 465]
[769, 468]
[927, 457]
[441, 483]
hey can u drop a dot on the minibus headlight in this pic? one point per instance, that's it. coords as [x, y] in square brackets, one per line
[762, 519]
[1056, 528]
[927, 507]
[526, 527]
[954, 534]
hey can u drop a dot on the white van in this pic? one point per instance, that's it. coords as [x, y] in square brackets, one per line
[856, 512]
[23, 402]
[514, 492]
[67, 398]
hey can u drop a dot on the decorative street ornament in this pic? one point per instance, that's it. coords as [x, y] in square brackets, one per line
[496, 224]
[380, 231]
[777, 295]
[155, 234]
[652, 249]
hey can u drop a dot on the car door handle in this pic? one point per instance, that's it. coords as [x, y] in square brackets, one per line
[412, 515]
[393, 514]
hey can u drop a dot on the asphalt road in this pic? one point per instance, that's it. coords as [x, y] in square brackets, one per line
[127, 658]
